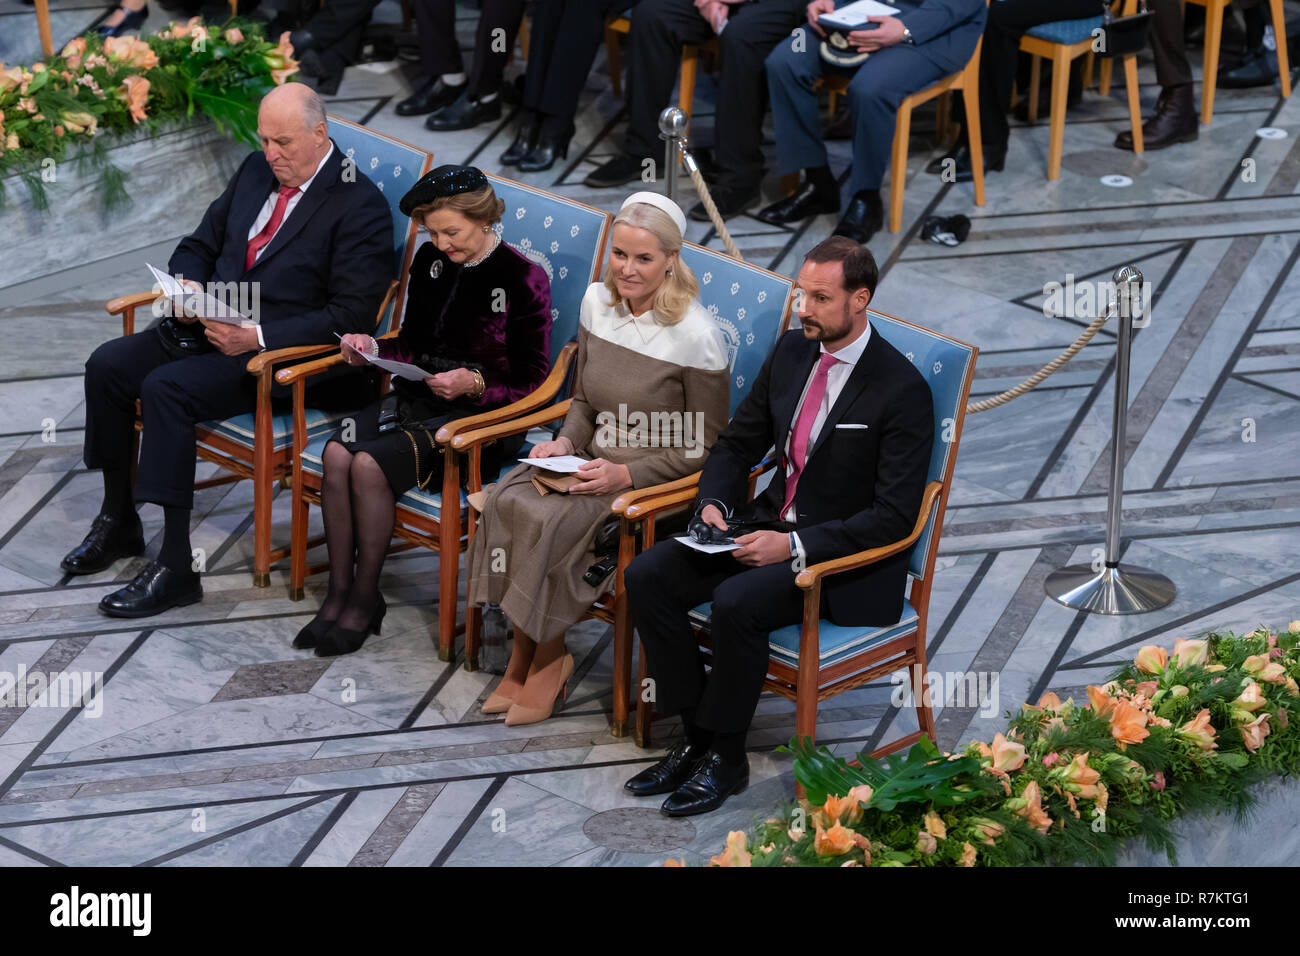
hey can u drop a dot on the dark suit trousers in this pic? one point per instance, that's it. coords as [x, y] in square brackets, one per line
[659, 30]
[336, 30]
[1008, 20]
[174, 396]
[440, 53]
[565, 37]
[1172, 66]
[664, 583]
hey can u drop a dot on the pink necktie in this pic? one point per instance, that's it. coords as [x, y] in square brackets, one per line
[803, 426]
[256, 244]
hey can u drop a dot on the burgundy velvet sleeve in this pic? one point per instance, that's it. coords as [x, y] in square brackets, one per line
[528, 344]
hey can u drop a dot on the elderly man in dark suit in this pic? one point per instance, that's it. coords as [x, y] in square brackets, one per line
[313, 238]
[898, 56]
[853, 421]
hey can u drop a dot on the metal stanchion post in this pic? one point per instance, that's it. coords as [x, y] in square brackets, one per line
[672, 129]
[1115, 589]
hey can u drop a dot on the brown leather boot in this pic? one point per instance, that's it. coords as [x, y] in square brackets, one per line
[1175, 121]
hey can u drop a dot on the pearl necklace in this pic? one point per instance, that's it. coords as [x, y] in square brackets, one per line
[496, 240]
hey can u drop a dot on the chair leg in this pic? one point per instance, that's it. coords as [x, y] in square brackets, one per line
[298, 545]
[643, 706]
[898, 171]
[1107, 68]
[1134, 107]
[622, 639]
[1056, 120]
[448, 580]
[924, 714]
[1089, 61]
[1035, 79]
[1279, 33]
[473, 635]
[1210, 69]
[690, 61]
[614, 54]
[970, 96]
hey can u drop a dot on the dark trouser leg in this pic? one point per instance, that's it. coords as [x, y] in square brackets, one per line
[439, 51]
[751, 33]
[336, 31]
[114, 373]
[1172, 66]
[497, 28]
[566, 37]
[791, 73]
[654, 50]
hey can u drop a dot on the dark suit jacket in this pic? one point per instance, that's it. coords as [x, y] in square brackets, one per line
[946, 31]
[325, 271]
[860, 487]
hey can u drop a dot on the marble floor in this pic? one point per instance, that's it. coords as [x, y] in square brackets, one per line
[214, 743]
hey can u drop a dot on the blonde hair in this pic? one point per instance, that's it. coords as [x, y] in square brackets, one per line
[677, 292]
[481, 206]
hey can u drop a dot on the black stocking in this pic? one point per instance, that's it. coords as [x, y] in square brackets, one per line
[336, 507]
[373, 517]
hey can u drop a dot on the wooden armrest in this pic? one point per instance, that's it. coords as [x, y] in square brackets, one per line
[539, 397]
[642, 503]
[122, 303]
[814, 574]
[265, 360]
[465, 440]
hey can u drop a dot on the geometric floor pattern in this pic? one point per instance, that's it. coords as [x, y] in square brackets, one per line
[215, 743]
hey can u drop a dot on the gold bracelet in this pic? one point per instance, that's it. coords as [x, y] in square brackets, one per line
[480, 386]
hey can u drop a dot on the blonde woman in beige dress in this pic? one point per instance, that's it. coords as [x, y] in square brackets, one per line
[648, 352]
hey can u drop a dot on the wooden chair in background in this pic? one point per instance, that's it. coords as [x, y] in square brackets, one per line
[1213, 39]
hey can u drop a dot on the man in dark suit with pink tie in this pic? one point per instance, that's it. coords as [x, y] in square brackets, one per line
[313, 239]
[852, 421]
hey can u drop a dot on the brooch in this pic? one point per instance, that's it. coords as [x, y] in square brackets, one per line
[435, 270]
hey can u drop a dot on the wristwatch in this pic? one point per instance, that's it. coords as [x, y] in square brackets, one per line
[907, 36]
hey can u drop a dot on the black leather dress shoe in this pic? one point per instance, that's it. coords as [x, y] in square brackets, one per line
[465, 113]
[731, 201]
[708, 788]
[544, 154]
[865, 216]
[807, 200]
[623, 168]
[935, 167]
[155, 589]
[434, 95]
[1175, 121]
[995, 159]
[526, 139]
[1257, 69]
[108, 540]
[672, 770]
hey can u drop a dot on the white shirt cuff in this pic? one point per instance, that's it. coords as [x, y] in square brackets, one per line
[260, 341]
[799, 552]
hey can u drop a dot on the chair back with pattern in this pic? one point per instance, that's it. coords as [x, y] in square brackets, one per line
[394, 167]
[750, 305]
[564, 237]
[948, 366]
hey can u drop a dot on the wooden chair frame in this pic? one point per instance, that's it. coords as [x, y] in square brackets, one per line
[1213, 40]
[808, 684]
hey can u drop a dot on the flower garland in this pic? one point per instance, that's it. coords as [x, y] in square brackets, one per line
[1178, 731]
[116, 84]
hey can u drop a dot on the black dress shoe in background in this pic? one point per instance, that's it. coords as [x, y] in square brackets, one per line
[708, 788]
[434, 95]
[1175, 121]
[155, 589]
[301, 41]
[995, 160]
[672, 770]
[526, 138]
[108, 540]
[864, 217]
[935, 166]
[1257, 69]
[465, 113]
[807, 200]
[544, 154]
[623, 168]
[730, 200]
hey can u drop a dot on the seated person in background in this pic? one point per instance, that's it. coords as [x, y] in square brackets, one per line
[319, 246]
[331, 40]
[458, 102]
[483, 356]
[659, 30]
[1176, 119]
[1257, 65]
[566, 35]
[905, 54]
[646, 347]
[854, 422]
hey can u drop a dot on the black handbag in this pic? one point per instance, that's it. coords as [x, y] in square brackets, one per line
[1123, 36]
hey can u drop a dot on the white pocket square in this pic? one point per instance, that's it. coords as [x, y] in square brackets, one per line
[850, 425]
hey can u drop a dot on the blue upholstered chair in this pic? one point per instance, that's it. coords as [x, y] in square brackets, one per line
[817, 659]
[1062, 42]
[259, 444]
[566, 239]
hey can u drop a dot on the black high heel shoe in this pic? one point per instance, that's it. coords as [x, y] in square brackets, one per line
[339, 640]
[525, 142]
[312, 633]
[543, 155]
[132, 21]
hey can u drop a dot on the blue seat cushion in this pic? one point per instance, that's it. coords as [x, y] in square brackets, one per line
[835, 643]
[240, 428]
[427, 502]
[1065, 31]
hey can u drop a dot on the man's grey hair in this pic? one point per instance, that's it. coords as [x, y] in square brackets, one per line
[313, 110]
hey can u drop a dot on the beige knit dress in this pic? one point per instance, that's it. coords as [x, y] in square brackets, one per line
[638, 385]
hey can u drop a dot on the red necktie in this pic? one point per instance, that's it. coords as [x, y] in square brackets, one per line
[256, 244]
[803, 425]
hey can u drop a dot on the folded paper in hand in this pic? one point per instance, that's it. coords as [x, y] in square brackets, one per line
[854, 15]
[561, 464]
[400, 369]
[203, 305]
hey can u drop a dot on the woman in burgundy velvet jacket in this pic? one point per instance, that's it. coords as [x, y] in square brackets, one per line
[478, 320]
